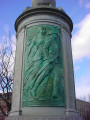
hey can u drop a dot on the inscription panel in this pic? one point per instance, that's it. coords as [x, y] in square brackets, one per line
[45, 118]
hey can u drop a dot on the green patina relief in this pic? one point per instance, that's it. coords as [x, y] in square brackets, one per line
[43, 83]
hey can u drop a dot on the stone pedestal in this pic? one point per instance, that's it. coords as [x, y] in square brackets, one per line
[57, 23]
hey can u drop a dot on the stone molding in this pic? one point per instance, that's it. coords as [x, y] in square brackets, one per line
[44, 10]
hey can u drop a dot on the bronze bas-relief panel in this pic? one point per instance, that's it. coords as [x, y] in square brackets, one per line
[43, 83]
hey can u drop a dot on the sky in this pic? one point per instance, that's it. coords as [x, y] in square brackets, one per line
[79, 12]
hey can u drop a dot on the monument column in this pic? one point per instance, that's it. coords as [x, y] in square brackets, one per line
[44, 79]
[68, 73]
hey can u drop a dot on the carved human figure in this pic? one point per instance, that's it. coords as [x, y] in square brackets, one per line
[50, 63]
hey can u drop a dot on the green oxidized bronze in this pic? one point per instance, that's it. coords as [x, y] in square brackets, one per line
[43, 83]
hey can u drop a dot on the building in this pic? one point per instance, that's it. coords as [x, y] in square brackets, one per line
[83, 108]
[4, 105]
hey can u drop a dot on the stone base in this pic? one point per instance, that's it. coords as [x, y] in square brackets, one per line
[44, 118]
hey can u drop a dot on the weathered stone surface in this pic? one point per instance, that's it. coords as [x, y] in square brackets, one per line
[45, 118]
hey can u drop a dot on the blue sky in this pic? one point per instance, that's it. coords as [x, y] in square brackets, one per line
[79, 12]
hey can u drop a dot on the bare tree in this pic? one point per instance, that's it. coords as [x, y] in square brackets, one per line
[7, 57]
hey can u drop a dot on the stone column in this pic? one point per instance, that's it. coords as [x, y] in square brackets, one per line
[44, 24]
[69, 75]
